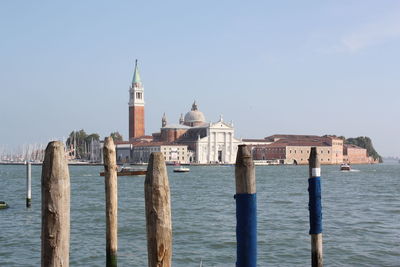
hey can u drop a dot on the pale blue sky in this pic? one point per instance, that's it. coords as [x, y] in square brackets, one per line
[301, 67]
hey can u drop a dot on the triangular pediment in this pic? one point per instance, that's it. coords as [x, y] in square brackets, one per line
[220, 125]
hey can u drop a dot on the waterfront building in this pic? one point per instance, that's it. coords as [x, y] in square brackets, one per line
[139, 152]
[295, 149]
[208, 142]
[136, 106]
[356, 155]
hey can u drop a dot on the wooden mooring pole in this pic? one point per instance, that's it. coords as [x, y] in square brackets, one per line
[28, 184]
[158, 213]
[246, 209]
[55, 207]
[315, 208]
[111, 188]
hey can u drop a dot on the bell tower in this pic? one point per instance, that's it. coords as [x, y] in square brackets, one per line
[136, 106]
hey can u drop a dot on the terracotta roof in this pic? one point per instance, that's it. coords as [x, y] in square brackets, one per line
[138, 144]
[352, 146]
[291, 136]
[158, 144]
[122, 142]
[301, 140]
[255, 140]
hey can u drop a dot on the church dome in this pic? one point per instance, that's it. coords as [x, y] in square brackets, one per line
[194, 117]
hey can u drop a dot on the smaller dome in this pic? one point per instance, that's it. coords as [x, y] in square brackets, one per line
[194, 117]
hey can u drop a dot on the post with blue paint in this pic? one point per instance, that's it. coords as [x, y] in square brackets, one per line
[315, 208]
[246, 209]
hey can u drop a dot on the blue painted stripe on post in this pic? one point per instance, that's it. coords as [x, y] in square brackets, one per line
[314, 205]
[246, 230]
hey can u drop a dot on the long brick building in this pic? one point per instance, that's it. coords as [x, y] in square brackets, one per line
[295, 149]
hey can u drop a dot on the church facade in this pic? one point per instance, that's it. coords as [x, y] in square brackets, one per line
[209, 143]
[196, 140]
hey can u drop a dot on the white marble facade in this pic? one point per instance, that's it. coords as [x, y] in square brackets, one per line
[219, 146]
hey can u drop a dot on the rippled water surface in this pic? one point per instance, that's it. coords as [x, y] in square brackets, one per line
[361, 217]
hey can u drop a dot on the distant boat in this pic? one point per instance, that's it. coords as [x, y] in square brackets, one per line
[3, 205]
[181, 169]
[128, 171]
[345, 167]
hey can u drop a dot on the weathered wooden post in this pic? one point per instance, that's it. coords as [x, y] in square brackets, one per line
[246, 208]
[111, 187]
[28, 184]
[55, 207]
[315, 208]
[158, 213]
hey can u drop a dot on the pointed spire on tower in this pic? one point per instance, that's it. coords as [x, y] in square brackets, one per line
[136, 106]
[136, 76]
[181, 120]
[164, 120]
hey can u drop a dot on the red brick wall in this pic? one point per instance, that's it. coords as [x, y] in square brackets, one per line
[261, 152]
[136, 121]
[170, 135]
[357, 155]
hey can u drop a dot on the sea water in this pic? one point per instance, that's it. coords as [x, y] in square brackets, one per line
[361, 217]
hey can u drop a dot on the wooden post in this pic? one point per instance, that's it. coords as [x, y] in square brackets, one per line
[55, 207]
[28, 184]
[158, 213]
[110, 181]
[246, 208]
[315, 207]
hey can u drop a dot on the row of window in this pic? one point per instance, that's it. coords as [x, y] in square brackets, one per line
[177, 148]
[320, 159]
[177, 152]
[170, 158]
[308, 151]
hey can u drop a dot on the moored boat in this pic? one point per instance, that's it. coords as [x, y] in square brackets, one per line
[3, 205]
[181, 169]
[128, 171]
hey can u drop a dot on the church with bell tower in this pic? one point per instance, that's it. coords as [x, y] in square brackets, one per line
[193, 140]
[136, 106]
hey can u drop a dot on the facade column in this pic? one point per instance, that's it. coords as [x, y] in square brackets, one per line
[225, 158]
[209, 146]
[215, 147]
[231, 145]
[198, 151]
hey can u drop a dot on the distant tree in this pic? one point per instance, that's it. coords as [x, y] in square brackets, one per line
[80, 141]
[93, 136]
[333, 135]
[361, 141]
[117, 137]
[365, 142]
